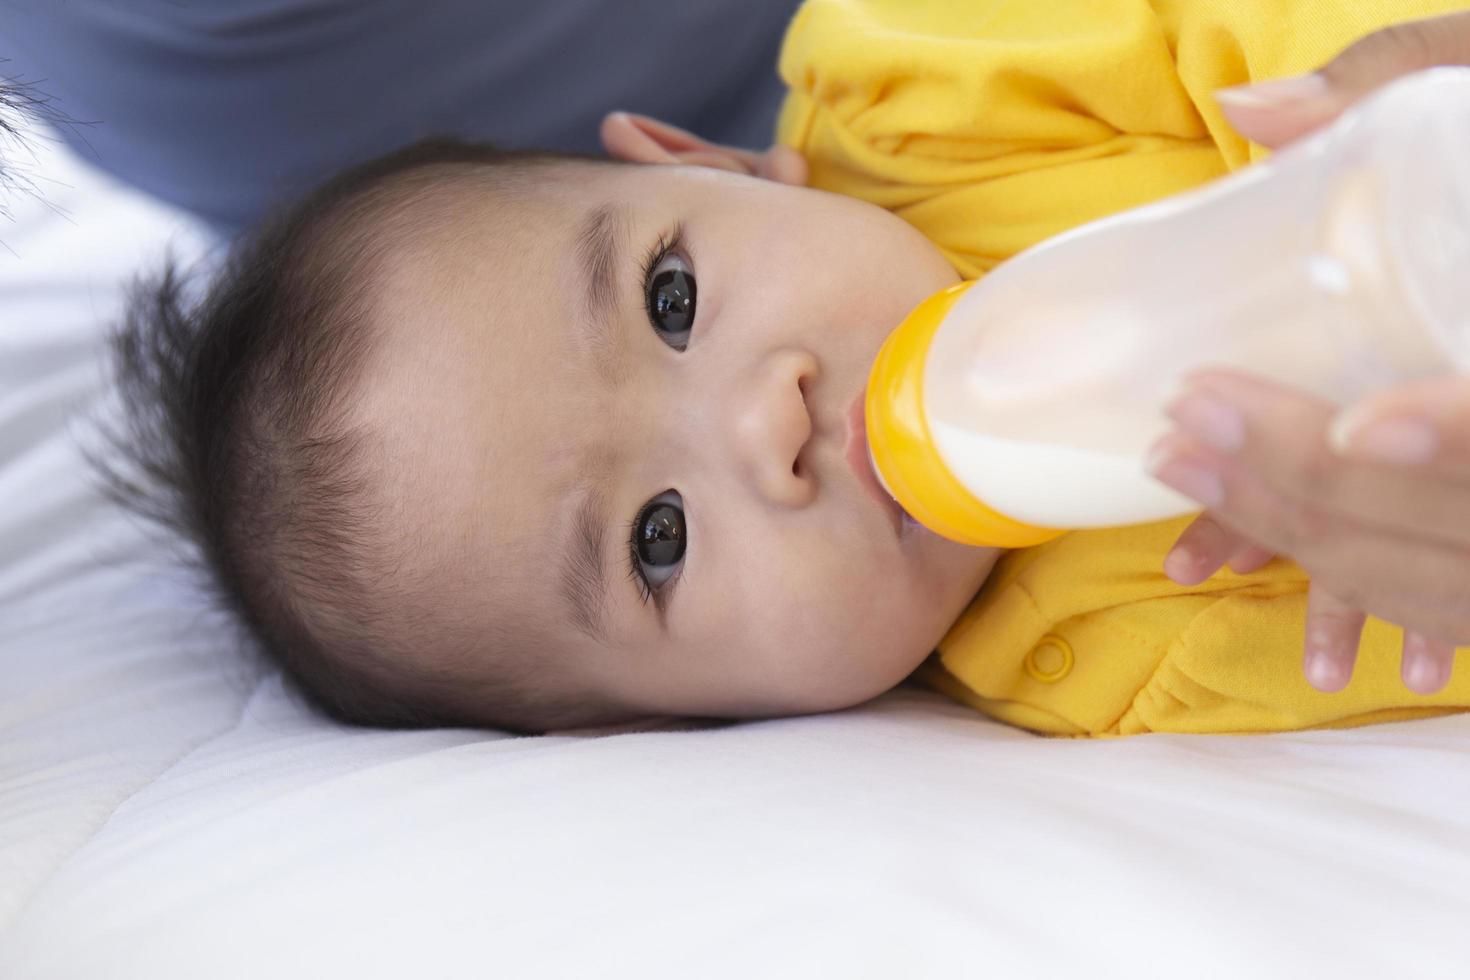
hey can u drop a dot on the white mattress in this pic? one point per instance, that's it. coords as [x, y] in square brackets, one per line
[168, 811]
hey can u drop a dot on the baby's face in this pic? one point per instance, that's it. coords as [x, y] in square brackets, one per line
[622, 421]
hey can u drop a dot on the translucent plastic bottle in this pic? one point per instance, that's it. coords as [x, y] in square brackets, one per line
[1005, 411]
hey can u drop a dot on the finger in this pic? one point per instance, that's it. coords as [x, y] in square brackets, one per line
[1402, 579]
[1276, 112]
[1334, 628]
[1251, 558]
[642, 139]
[783, 165]
[716, 160]
[623, 138]
[1398, 50]
[683, 143]
[1281, 435]
[1410, 425]
[1201, 550]
[1427, 663]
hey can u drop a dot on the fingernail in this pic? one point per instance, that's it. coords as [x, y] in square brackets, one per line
[1425, 676]
[1179, 566]
[1425, 672]
[1191, 478]
[1395, 442]
[1210, 419]
[1276, 93]
[1324, 671]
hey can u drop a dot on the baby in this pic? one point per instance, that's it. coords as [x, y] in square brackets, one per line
[538, 441]
[535, 441]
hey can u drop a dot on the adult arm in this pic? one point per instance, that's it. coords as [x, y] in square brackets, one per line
[228, 106]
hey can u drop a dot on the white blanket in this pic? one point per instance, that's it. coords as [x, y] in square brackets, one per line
[167, 810]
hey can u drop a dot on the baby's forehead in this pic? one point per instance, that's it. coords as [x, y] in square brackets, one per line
[484, 385]
[472, 391]
[489, 295]
[552, 202]
[468, 220]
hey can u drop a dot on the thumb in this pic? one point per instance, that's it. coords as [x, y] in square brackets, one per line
[1276, 112]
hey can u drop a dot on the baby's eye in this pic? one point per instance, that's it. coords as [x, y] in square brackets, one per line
[659, 538]
[671, 296]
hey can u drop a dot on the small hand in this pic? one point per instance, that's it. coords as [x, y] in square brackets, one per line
[640, 139]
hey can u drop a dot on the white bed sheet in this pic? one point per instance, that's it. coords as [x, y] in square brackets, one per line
[169, 811]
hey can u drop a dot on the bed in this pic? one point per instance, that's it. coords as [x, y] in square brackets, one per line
[169, 810]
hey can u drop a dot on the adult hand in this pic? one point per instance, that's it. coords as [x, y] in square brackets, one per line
[1373, 501]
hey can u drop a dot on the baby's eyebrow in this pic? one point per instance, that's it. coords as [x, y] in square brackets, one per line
[599, 255]
[583, 583]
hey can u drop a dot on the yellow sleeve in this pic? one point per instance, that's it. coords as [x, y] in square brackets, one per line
[993, 124]
[1237, 667]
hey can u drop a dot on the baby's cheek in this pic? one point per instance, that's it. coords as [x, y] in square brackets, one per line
[835, 639]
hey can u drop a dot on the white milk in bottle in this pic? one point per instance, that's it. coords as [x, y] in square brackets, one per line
[1005, 411]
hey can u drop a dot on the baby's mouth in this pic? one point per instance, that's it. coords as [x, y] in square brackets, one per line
[860, 459]
[908, 522]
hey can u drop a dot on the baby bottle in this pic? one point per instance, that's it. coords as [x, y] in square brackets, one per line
[1005, 411]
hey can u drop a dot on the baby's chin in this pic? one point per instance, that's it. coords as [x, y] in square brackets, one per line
[868, 675]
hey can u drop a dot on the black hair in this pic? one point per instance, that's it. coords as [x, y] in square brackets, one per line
[23, 103]
[236, 439]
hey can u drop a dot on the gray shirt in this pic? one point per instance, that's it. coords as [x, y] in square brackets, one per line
[229, 106]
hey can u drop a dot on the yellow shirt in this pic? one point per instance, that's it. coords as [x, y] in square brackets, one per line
[991, 125]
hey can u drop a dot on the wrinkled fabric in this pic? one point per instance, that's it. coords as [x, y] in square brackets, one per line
[991, 126]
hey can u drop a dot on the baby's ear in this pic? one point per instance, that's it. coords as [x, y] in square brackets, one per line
[639, 139]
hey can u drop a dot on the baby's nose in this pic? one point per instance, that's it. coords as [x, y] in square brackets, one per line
[773, 426]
